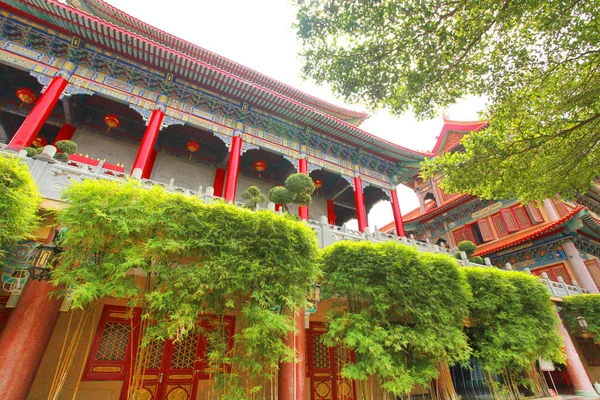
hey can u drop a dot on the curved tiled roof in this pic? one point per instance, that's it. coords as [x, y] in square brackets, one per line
[140, 49]
[455, 126]
[101, 9]
[527, 234]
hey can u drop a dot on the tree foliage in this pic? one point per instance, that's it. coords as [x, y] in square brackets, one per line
[469, 248]
[298, 190]
[513, 320]
[254, 197]
[586, 306]
[199, 260]
[403, 314]
[535, 61]
[19, 201]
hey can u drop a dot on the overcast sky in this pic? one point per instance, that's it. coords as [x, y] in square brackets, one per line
[259, 35]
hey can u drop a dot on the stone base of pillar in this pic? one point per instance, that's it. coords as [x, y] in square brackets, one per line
[587, 393]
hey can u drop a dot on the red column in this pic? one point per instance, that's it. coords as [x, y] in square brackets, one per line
[303, 169]
[330, 212]
[579, 377]
[359, 200]
[142, 160]
[219, 181]
[292, 375]
[397, 215]
[233, 167]
[66, 132]
[42, 108]
[25, 337]
[150, 165]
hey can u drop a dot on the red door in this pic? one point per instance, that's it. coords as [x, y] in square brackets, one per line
[170, 369]
[325, 365]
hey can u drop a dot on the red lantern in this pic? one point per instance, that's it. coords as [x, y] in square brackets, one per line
[26, 95]
[192, 147]
[318, 183]
[260, 166]
[39, 141]
[112, 121]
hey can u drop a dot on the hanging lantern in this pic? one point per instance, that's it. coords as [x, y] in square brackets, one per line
[192, 147]
[260, 166]
[26, 95]
[39, 141]
[318, 183]
[112, 121]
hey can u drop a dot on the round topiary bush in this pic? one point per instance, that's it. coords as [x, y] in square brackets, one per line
[31, 151]
[280, 195]
[468, 247]
[300, 183]
[62, 157]
[66, 146]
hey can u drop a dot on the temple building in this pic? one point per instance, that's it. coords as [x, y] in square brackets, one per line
[144, 104]
[555, 239]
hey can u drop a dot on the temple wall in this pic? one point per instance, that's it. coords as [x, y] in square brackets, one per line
[187, 174]
[112, 150]
[88, 390]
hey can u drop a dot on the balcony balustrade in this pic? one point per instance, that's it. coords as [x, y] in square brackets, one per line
[52, 177]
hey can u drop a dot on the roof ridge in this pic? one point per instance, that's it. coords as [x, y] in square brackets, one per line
[286, 87]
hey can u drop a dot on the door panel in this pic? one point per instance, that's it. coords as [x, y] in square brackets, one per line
[325, 365]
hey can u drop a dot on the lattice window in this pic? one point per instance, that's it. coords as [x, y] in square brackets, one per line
[500, 225]
[535, 214]
[554, 272]
[184, 352]
[561, 207]
[510, 220]
[522, 217]
[485, 229]
[113, 344]
[590, 351]
[464, 233]
[320, 353]
[153, 354]
[594, 269]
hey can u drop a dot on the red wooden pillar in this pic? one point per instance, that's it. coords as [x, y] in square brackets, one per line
[143, 158]
[330, 212]
[25, 337]
[579, 377]
[219, 181]
[359, 200]
[233, 166]
[292, 375]
[66, 132]
[303, 169]
[150, 165]
[397, 215]
[42, 109]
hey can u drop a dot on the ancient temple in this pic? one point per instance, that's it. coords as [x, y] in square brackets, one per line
[144, 104]
[557, 239]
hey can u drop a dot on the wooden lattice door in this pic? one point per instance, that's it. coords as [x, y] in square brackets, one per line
[171, 369]
[325, 365]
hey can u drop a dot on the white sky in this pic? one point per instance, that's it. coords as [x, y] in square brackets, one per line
[259, 35]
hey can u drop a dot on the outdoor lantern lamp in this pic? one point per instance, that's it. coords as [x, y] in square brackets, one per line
[42, 261]
[314, 295]
[583, 324]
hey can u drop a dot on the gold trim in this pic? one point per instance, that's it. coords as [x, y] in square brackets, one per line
[107, 369]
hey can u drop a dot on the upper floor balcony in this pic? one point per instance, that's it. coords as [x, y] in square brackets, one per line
[52, 177]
